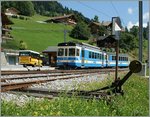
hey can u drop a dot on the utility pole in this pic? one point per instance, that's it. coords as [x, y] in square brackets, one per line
[65, 33]
[148, 37]
[140, 30]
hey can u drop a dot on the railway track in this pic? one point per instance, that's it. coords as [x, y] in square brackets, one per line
[55, 71]
[45, 93]
[22, 81]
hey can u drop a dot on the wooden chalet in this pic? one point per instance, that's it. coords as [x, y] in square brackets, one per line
[68, 19]
[106, 41]
[6, 28]
[11, 11]
[94, 26]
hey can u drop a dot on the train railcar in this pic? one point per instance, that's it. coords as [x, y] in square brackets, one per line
[80, 55]
[29, 58]
[123, 60]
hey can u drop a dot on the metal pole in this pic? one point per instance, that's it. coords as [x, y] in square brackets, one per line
[117, 54]
[0, 37]
[65, 33]
[148, 37]
[140, 29]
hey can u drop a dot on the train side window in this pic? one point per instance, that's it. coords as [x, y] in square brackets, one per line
[71, 51]
[100, 56]
[105, 57]
[78, 52]
[66, 52]
[92, 54]
[95, 54]
[113, 57]
[60, 52]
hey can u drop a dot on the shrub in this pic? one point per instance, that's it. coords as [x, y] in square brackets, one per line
[81, 31]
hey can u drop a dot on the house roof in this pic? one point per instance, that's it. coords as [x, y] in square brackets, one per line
[12, 9]
[107, 23]
[50, 49]
[60, 17]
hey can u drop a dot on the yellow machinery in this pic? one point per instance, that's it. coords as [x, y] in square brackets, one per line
[29, 58]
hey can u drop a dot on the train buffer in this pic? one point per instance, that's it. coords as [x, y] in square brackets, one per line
[116, 87]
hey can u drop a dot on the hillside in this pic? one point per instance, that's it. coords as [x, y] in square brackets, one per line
[37, 36]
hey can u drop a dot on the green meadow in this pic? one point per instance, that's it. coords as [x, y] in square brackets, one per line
[37, 36]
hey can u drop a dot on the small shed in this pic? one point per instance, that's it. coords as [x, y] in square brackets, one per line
[69, 19]
[50, 55]
[9, 57]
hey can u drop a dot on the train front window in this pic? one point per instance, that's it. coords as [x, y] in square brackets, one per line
[78, 52]
[72, 52]
[66, 52]
[60, 52]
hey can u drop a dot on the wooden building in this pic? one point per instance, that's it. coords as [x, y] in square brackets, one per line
[51, 55]
[95, 27]
[68, 19]
[6, 28]
[11, 11]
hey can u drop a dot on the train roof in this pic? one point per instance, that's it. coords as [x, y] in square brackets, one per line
[29, 51]
[120, 54]
[78, 44]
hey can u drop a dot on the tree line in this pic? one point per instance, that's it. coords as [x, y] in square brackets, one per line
[45, 8]
[128, 39]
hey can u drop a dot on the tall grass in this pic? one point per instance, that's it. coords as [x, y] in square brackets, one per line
[135, 102]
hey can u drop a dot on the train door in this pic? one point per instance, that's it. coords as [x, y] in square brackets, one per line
[106, 59]
[66, 55]
[82, 55]
[102, 59]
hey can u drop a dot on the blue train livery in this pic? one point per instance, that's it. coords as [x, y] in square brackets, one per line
[81, 55]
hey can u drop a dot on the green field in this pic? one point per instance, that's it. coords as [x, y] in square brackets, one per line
[37, 36]
[135, 102]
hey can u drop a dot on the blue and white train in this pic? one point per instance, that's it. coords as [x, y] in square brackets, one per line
[81, 55]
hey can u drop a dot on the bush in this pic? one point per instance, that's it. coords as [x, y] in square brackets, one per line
[81, 31]
[14, 16]
[21, 17]
[22, 45]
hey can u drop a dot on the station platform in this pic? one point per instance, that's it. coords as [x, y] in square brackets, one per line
[21, 68]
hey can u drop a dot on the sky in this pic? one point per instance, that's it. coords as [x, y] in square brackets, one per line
[127, 10]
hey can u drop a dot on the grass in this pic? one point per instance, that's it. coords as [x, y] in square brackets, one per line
[135, 102]
[37, 36]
